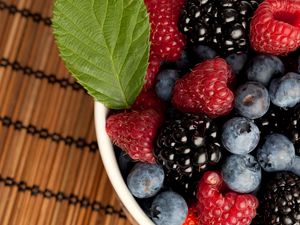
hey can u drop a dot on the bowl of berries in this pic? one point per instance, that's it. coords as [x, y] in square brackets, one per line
[197, 107]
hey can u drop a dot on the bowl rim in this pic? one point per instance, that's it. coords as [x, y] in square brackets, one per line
[112, 168]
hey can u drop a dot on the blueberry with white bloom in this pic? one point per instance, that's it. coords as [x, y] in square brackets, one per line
[252, 100]
[240, 135]
[285, 92]
[165, 82]
[145, 180]
[242, 173]
[204, 52]
[263, 68]
[278, 154]
[237, 61]
[169, 208]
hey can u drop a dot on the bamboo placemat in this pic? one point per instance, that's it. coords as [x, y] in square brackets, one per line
[50, 168]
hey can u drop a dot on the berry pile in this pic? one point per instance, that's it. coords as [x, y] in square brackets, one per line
[214, 136]
[221, 24]
[186, 145]
[281, 199]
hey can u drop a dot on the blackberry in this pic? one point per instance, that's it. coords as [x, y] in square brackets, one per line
[283, 121]
[274, 121]
[280, 200]
[221, 24]
[186, 145]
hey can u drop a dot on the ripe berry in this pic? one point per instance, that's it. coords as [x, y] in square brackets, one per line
[276, 154]
[252, 100]
[134, 132]
[205, 89]
[220, 24]
[237, 61]
[149, 100]
[275, 27]
[167, 43]
[165, 82]
[280, 204]
[240, 135]
[215, 207]
[263, 68]
[169, 208]
[152, 70]
[145, 180]
[284, 92]
[241, 173]
[192, 217]
[204, 52]
[187, 145]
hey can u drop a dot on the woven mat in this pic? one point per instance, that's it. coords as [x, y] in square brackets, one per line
[50, 167]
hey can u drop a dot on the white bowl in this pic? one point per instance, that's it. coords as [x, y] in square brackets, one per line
[134, 212]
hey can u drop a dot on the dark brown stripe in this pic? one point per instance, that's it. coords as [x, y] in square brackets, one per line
[36, 17]
[51, 78]
[61, 196]
[43, 133]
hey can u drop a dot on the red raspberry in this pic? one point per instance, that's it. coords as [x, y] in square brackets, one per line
[149, 100]
[275, 27]
[205, 90]
[220, 209]
[134, 132]
[164, 7]
[153, 68]
[192, 217]
[166, 41]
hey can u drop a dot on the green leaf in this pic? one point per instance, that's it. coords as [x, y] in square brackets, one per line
[105, 45]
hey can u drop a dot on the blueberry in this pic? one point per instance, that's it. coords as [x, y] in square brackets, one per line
[285, 92]
[145, 204]
[240, 135]
[237, 61]
[165, 82]
[145, 180]
[204, 52]
[252, 100]
[169, 208]
[276, 154]
[125, 163]
[263, 68]
[184, 62]
[296, 166]
[242, 173]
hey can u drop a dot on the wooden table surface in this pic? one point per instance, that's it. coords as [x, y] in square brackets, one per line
[50, 168]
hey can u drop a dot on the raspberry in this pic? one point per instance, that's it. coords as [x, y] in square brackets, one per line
[166, 41]
[163, 7]
[205, 89]
[134, 132]
[216, 208]
[149, 100]
[192, 217]
[275, 27]
[152, 70]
